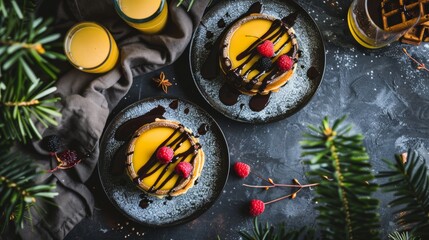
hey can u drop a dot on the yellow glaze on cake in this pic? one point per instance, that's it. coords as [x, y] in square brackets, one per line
[240, 37]
[245, 35]
[143, 148]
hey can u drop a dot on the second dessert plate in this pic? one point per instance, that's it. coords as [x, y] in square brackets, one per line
[299, 89]
[152, 211]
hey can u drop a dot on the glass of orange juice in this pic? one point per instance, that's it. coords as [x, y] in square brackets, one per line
[91, 48]
[148, 16]
[375, 24]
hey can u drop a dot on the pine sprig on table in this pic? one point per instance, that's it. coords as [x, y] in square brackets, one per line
[261, 232]
[346, 208]
[190, 3]
[402, 236]
[24, 103]
[25, 45]
[18, 190]
[25, 51]
[5, 6]
[409, 182]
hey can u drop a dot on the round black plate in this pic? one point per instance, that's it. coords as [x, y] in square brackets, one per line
[299, 89]
[125, 195]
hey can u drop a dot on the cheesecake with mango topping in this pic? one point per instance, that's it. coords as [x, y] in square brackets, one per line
[259, 54]
[164, 158]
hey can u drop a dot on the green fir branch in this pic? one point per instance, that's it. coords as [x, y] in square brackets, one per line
[402, 236]
[270, 232]
[409, 182]
[345, 205]
[29, 46]
[5, 6]
[22, 105]
[190, 3]
[18, 191]
[17, 9]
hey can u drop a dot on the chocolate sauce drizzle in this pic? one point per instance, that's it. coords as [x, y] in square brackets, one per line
[202, 130]
[173, 141]
[277, 30]
[126, 131]
[210, 68]
[174, 104]
[236, 79]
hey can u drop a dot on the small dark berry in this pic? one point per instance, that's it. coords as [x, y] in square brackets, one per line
[51, 143]
[264, 64]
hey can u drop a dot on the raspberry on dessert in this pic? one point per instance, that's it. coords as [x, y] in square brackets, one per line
[266, 48]
[241, 169]
[264, 64]
[51, 143]
[257, 207]
[184, 169]
[165, 154]
[285, 63]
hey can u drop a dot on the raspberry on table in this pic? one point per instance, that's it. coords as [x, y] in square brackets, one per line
[242, 169]
[257, 207]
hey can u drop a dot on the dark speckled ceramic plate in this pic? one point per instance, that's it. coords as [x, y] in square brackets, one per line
[299, 89]
[125, 195]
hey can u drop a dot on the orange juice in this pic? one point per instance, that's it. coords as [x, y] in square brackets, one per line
[148, 16]
[91, 48]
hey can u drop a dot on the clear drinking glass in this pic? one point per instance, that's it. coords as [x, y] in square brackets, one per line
[374, 24]
[91, 48]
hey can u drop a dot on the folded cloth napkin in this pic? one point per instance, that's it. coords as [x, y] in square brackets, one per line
[87, 100]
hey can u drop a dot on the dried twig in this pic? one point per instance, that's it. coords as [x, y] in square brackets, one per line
[420, 66]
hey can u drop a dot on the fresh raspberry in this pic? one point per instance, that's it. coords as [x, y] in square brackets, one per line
[257, 207]
[285, 63]
[184, 169]
[266, 48]
[165, 154]
[241, 169]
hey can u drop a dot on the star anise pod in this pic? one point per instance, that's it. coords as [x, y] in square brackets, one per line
[66, 159]
[162, 82]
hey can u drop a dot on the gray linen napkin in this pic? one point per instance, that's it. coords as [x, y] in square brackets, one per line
[87, 100]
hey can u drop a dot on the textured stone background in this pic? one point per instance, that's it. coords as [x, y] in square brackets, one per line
[381, 91]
